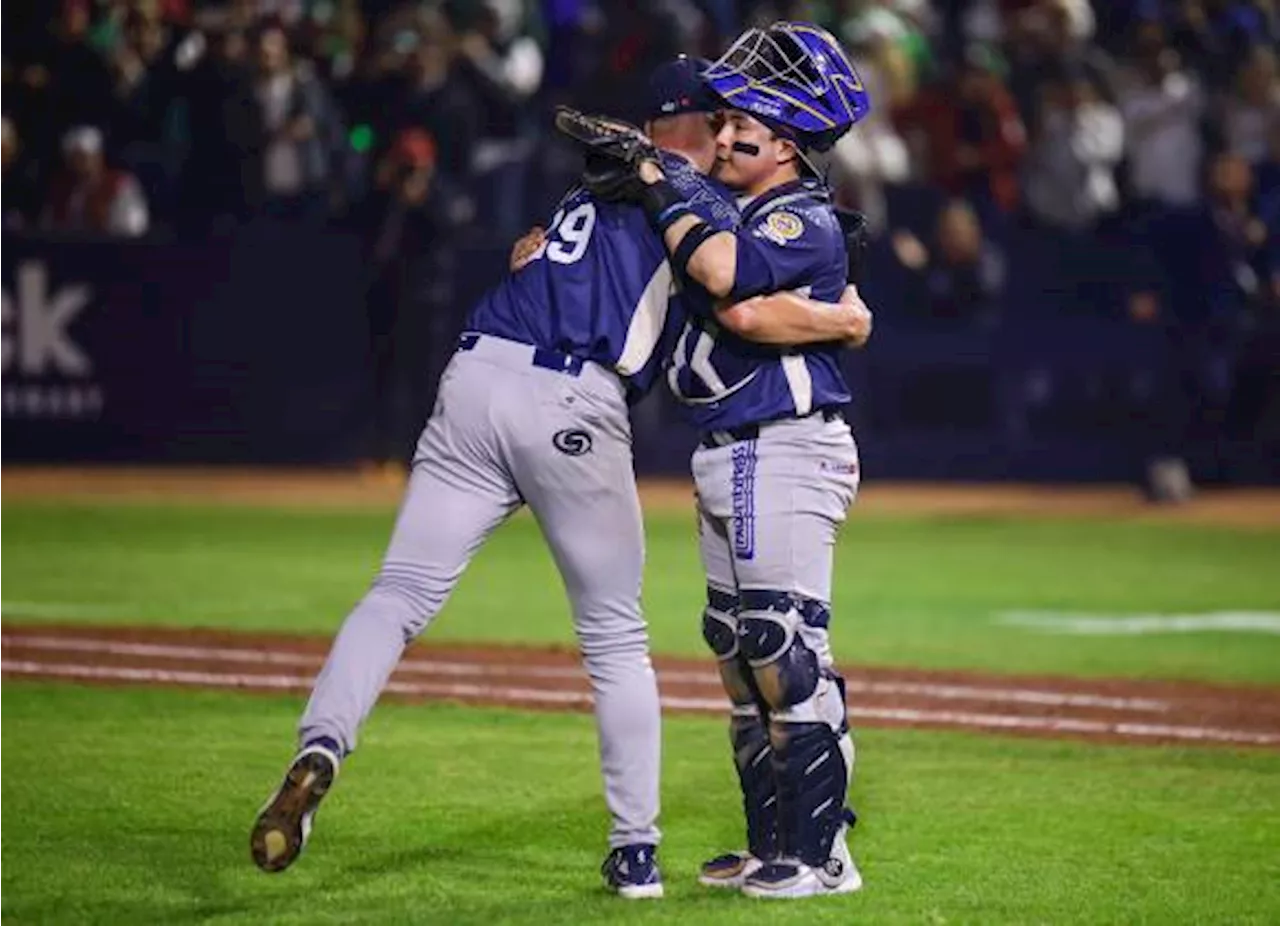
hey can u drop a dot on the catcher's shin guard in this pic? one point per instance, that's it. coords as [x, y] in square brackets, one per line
[812, 761]
[784, 640]
[748, 731]
[753, 756]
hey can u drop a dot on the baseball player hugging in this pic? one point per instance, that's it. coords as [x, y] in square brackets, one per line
[533, 410]
[777, 467]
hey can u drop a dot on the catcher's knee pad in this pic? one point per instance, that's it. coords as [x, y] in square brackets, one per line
[753, 756]
[813, 763]
[720, 623]
[720, 630]
[783, 638]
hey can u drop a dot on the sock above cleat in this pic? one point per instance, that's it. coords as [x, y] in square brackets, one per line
[326, 743]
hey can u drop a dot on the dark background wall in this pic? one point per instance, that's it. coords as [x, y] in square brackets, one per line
[253, 347]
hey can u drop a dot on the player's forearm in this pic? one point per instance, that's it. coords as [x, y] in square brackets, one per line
[713, 264]
[791, 319]
[697, 251]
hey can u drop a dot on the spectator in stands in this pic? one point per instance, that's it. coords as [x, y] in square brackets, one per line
[220, 170]
[878, 46]
[144, 84]
[1253, 110]
[863, 162]
[1079, 140]
[1231, 249]
[405, 224]
[1162, 104]
[967, 137]
[503, 66]
[21, 182]
[1216, 34]
[295, 129]
[91, 197]
[963, 279]
[1044, 38]
[436, 99]
[900, 28]
[65, 81]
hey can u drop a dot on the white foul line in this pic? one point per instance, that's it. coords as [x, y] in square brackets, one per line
[1127, 625]
[703, 705]
[464, 668]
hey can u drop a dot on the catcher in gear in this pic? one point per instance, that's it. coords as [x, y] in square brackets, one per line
[777, 467]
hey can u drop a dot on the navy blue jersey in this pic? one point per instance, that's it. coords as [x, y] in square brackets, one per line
[789, 239]
[601, 288]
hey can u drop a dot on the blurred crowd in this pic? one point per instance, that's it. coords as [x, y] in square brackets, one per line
[1151, 124]
[125, 115]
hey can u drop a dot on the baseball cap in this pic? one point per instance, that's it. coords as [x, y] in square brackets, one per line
[676, 88]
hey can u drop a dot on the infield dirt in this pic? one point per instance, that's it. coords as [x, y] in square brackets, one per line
[1106, 710]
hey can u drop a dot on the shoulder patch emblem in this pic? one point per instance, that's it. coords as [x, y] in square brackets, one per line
[782, 227]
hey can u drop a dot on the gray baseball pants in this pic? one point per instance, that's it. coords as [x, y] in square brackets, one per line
[504, 433]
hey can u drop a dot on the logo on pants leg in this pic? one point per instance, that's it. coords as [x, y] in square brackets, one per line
[573, 442]
[744, 499]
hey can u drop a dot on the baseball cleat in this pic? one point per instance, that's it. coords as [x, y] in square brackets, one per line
[632, 872]
[788, 879]
[728, 870]
[284, 823]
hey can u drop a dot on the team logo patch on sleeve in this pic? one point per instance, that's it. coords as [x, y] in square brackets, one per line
[781, 227]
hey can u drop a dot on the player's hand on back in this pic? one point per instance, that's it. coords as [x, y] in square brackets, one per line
[526, 246]
[862, 318]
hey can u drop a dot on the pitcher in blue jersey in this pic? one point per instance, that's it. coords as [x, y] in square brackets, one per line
[777, 468]
[532, 409]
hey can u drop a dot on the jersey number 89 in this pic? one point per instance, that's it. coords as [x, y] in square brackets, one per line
[569, 234]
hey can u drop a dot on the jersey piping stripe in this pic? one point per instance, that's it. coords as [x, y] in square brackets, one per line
[647, 322]
[673, 374]
[799, 381]
[700, 363]
[796, 370]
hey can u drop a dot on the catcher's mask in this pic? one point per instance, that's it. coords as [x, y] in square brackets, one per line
[795, 78]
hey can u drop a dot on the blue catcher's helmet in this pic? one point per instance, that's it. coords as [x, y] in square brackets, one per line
[793, 77]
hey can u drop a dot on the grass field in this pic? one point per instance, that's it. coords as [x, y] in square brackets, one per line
[133, 805]
[910, 591]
